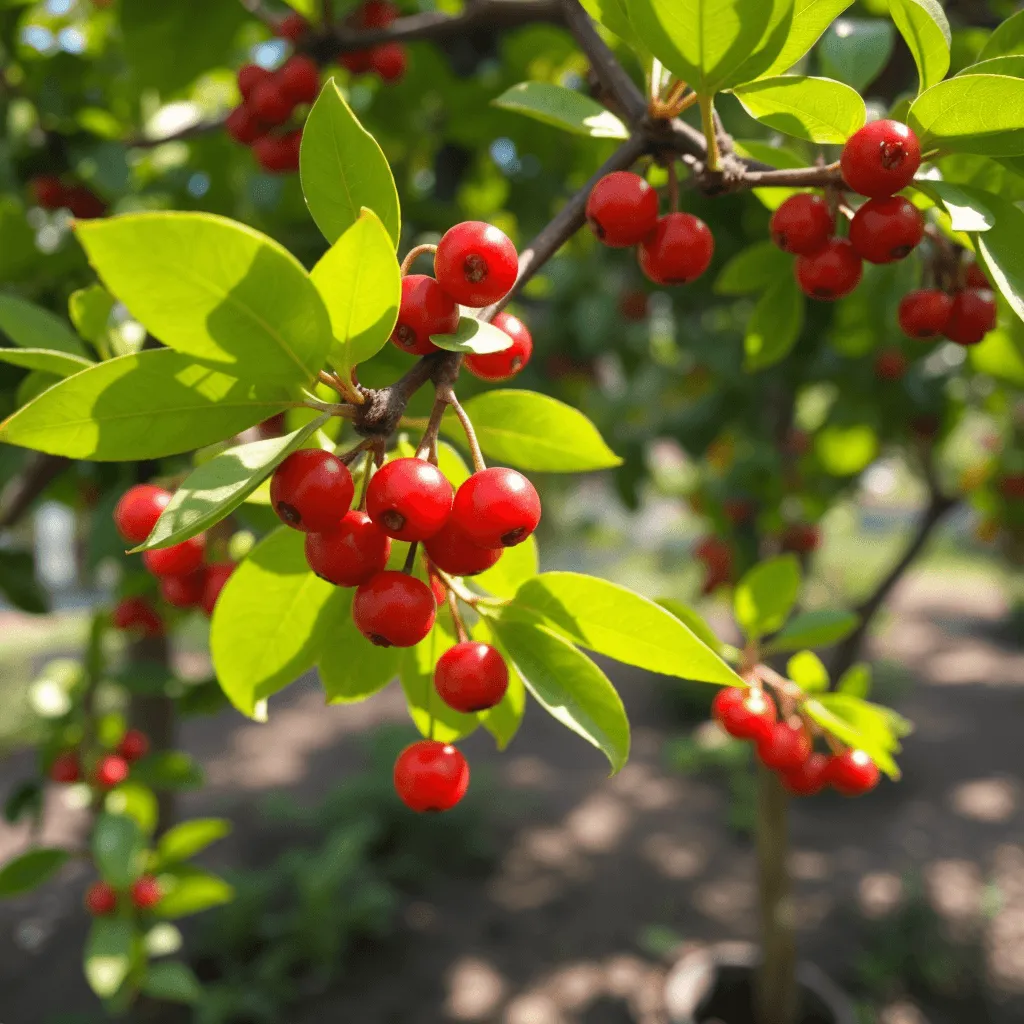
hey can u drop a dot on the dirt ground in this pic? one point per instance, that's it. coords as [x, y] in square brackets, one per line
[589, 863]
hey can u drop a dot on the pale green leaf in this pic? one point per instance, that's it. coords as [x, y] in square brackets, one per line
[923, 25]
[188, 890]
[1007, 39]
[563, 108]
[474, 337]
[767, 51]
[1001, 353]
[845, 449]
[693, 621]
[808, 671]
[971, 114]
[765, 596]
[814, 109]
[775, 324]
[90, 309]
[860, 725]
[810, 19]
[190, 837]
[503, 720]
[813, 629]
[969, 208]
[856, 680]
[108, 954]
[31, 326]
[51, 361]
[516, 565]
[135, 800]
[614, 15]
[31, 869]
[1012, 66]
[1000, 249]
[774, 156]
[350, 667]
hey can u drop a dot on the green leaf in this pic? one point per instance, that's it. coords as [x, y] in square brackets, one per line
[361, 284]
[1000, 249]
[189, 838]
[971, 114]
[136, 801]
[1012, 66]
[774, 325]
[753, 269]
[60, 364]
[142, 406]
[808, 672]
[845, 449]
[810, 19]
[172, 981]
[614, 15]
[188, 890]
[813, 629]
[563, 108]
[215, 290]
[854, 50]
[1007, 39]
[90, 309]
[516, 565]
[109, 950]
[343, 169]
[18, 581]
[503, 720]
[923, 25]
[969, 209]
[765, 596]
[776, 156]
[25, 873]
[351, 668]
[118, 846]
[814, 109]
[620, 624]
[856, 680]
[693, 621]
[216, 488]
[170, 769]
[767, 51]
[568, 685]
[266, 625]
[475, 337]
[30, 326]
[860, 725]
[535, 432]
[1001, 354]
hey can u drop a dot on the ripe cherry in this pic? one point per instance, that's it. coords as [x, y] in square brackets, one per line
[975, 278]
[146, 893]
[924, 313]
[278, 154]
[880, 159]
[496, 508]
[184, 591]
[830, 273]
[137, 613]
[356, 61]
[431, 776]
[809, 778]
[972, 316]
[426, 309]
[508, 362]
[801, 538]
[476, 263]
[217, 576]
[389, 60]
[622, 209]
[250, 77]
[747, 714]
[891, 364]
[292, 27]
[471, 677]
[678, 250]
[351, 554]
[177, 560]
[394, 610]
[713, 552]
[886, 230]
[409, 499]
[299, 79]
[377, 14]
[270, 104]
[738, 510]
[454, 553]
[244, 126]
[66, 767]
[101, 899]
[633, 305]
[48, 191]
[84, 203]
[311, 490]
[786, 748]
[134, 745]
[136, 513]
[111, 770]
[852, 773]
[802, 224]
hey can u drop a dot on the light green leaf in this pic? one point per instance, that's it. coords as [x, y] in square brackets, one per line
[142, 406]
[216, 488]
[343, 169]
[860, 725]
[59, 364]
[1012, 66]
[845, 450]
[1007, 39]
[30, 326]
[475, 337]
[190, 837]
[535, 432]
[614, 15]
[117, 848]
[563, 108]
[351, 668]
[813, 629]
[90, 309]
[774, 325]
[771, 45]
[753, 269]
[136, 801]
[25, 873]
[170, 769]
[923, 25]
[503, 720]
[172, 981]
[108, 954]
[361, 284]
[810, 19]
[1001, 354]
[765, 596]
[969, 209]
[856, 680]
[854, 50]
[693, 621]
[971, 114]
[814, 109]
[516, 565]
[1000, 249]
[808, 672]
[188, 890]
[309, 9]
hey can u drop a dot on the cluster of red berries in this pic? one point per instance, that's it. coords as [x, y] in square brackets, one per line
[787, 747]
[965, 316]
[49, 192]
[622, 210]
[111, 768]
[102, 899]
[716, 556]
[464, 532]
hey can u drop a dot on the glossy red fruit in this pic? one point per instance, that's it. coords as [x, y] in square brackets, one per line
[747, 714]
[146, 893]
[101, 899]
[136, 613]
[786, 747]
[377, 14]
[508, 362]
[66, 767]
[971, 317]
[311, 490]
[975, 278]
[809, 778]
[496, 508]
[886, 230]
[136, 513]
[394, 610]
[852, 773]
[299, 79]
[217, 576]
[276, 154]
[356, 61]
[84, 203]
[270, 104]
[678, 250]
[471, 677]
[184, 591]
[830, 273]
[713, 552]
[802, 224]
[389, 60]
[293, 27]
[622, 209]
[924, 313]
[177, 560]
[111, 770]
[409, 499]
[426, 309]
[801, 538]
[891, 364]
[134, 745]
[880, 159]
[48, 191]
[431, 776]
[250, 77]
[352, 553]
[454, 553]
[476, 263]
[244, 126]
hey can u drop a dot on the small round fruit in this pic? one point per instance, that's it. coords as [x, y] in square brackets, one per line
[496, 508]
[270, 104]
[1011, 486]
[146, 893]
[293, 27]
[880, 159]
[311, 490]
[389, 60]
[136, 513]
[394, 610]
[852, 773]
[84, 203]
[217, 576]
[134, 745]
[803, 224]
[48, 191]
[177, 560]
[299, 79]
[244, 126]
[745, 713]
[356, 61]
[426, 309]
[971, 317]
[786, 748]
[66, 767]
[101, 899]
[801, 538]
[975, 278]
[476, 263]
[713, 552]
[409, 499]
[250, 77]
[508, 362]
[471, 677]
[678, 250]
[431, 776]
[831, 273]
[454, 553]
[622, 209]
[924, 313]
[891, 364]
[136, 613]
[111, 770]
[184, 591]
[886, 230]
[809, 778]
[352, 553]
[277, 154]
[377, 14]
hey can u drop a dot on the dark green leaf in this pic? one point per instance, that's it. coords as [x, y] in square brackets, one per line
[351, 668]
[117, 848]
[25, 873]
[1007, 39]
[775, 324]
[813, 629]
[1000, 249]
[18, 582]
[24, 801]
[765, 596]
[563, 108]
[173, 982]
[923, 25]
[172, 769]
[753, 269]
[30, 326]
[854, 50]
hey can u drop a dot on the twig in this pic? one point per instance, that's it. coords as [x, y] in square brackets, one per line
[429, 439]
[22, 489]
[467, 425]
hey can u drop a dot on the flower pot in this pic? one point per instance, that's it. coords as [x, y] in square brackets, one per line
[716, 983]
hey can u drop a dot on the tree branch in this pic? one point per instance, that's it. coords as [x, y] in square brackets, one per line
[22, 490]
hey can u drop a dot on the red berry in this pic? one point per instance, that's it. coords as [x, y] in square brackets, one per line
[84, 203]
[351, 554]
[890, 364]
[508, 362]
[291, 147]
[801, 538]
[146, 893]
[48, 191]
[394, 610]
[633, 305]
[244, 126]
[184, 591]
[110, 771]
[136, 513]
[747, 714]
[356, 61]
[274, 154]
[830, 273]
[217, 576]
[714, 552]
[134, 745]
[100, 899]
[925, 426]
[476, 263]
[299, 79]
[389, 61]
[270, 104]
[924, 313]
[886, 230]
[852, 773]
[178, 560]
[426, 309]
[737, 510]
[975, 278]
[66, 767]
[880, 159]
[971, 317]
[1011, 486]
[803, 224]
[250, 77]
[292, 27]
[377, 14]
[678, 250]
[454, 553]
[431, 776]
[786, 747]
[137, 613]
[496, 508]
[471, 677]
[809, 778]
[409, 499]
[311, 490]
[622, 209]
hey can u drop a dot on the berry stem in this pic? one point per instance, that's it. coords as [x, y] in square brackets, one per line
[367, 474]
[410, 558]
[428, 443]
[455, 587]
[342, 386]
[713, 162]
[352, 454]
[414, 254]
[344, 410]
[474, 445]
[460, 627]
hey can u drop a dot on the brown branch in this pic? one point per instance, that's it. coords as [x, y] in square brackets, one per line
[21, 490]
